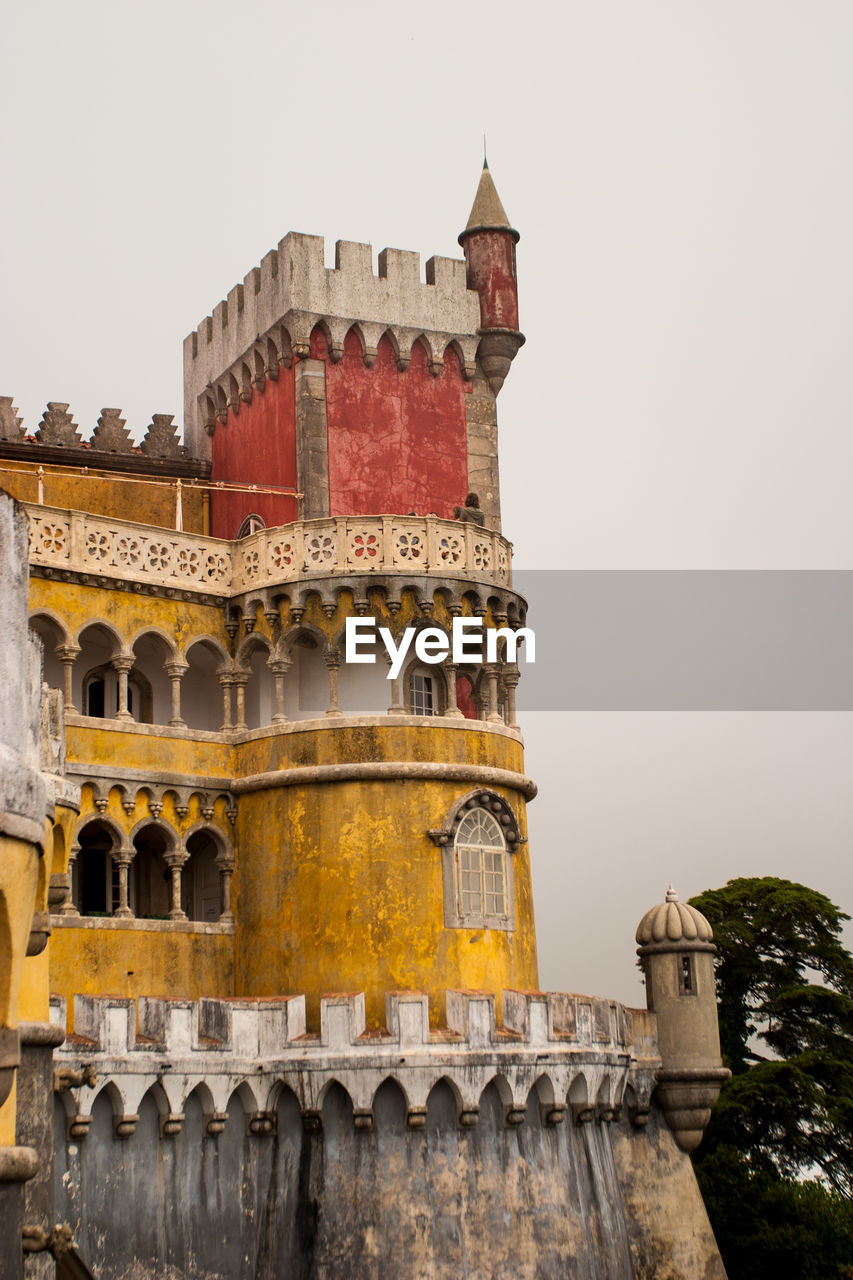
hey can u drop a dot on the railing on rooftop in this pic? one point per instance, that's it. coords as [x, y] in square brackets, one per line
[78, 543]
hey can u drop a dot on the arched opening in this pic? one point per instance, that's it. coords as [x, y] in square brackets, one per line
[151, 893]
[306, 686]
[148, 688]
[95, 682]
[201, 693]
[51, 636]
[201, 880]
[95, 887]
[260, 687]
[465, 697]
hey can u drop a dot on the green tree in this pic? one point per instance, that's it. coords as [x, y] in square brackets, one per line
[785, 992]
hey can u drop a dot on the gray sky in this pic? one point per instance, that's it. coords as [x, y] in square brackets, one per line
[680, 174]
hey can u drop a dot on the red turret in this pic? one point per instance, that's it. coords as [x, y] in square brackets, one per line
[489, 245]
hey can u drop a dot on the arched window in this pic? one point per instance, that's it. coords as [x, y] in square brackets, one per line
[478, 840]
[252, 524]
[96, 882]
[481, 878]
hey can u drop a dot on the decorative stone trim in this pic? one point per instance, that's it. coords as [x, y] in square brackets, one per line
[102, 551]
[387, 770]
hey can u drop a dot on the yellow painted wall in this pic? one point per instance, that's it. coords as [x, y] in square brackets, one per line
[134, 961]
[104, 494]
[128, 612]
[339, 887]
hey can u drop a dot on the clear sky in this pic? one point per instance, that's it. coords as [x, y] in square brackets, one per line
[681, 177]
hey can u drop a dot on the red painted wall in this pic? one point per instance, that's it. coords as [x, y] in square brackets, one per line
[397, 441]
[257, 446]
[491, 271]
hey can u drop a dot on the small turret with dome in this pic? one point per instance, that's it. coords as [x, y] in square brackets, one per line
[676, 951]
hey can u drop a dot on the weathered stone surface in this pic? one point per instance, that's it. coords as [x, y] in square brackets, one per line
[57, 426]
[11, 426]
[111, 433]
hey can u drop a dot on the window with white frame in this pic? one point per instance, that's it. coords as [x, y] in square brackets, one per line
[422, 700]
[480, 850]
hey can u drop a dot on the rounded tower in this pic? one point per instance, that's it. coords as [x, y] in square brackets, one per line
[676, 951]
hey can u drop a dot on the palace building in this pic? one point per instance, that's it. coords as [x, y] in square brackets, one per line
[270, 1002]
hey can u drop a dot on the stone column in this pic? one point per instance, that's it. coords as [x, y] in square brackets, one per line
[175, 862]
[332, 660]
[279, 667]
[240, 679]
[397, 707]
[452, 709]
[175, 671]
[122, 664]
[122, 859]
[67, 653]
[68, 908]
[493, 717]
[511, 678]
[226, 680]
[226, 869]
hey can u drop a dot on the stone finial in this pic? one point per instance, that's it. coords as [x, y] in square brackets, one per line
[57, 426]
[674, 922]
[111, 434]
[11, 426]
[161, 438]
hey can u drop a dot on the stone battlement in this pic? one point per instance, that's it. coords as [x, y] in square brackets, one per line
[274, 1027]
[575, 1050]
[269, 317]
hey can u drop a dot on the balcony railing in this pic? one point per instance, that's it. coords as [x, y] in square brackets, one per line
[78, 543]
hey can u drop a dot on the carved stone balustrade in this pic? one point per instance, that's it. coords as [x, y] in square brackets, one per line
[72, 543]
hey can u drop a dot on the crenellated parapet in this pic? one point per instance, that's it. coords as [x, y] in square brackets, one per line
[577, 1051]
[57, 430]
[268, 319]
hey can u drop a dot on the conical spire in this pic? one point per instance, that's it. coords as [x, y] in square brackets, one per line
[487, 212]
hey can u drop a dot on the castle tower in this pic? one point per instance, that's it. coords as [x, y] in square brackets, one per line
[676, 951]
[367, 395]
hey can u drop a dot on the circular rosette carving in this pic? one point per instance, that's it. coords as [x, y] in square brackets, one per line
[251, 563]
[54, 538]
[215, 567]
[159, 557]
[409, 546]
[282, 554]
[503, 562]
[482, 556]
[451, 549]
[189, 562]
[98, 545]
[321, 550]
[129, 551]
[364, 547]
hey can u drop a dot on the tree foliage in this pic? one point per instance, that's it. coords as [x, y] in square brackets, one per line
[776, 1162]
[785, 991]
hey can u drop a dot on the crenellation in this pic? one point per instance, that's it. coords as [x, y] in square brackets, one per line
[293, 287]
[11, 426]
[111, 433]
[57, 426]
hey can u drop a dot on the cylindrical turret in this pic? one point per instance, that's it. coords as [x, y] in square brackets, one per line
[489, 245]
[676, 950]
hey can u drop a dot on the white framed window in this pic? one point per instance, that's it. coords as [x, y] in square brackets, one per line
[481, 876]
[422, 700]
